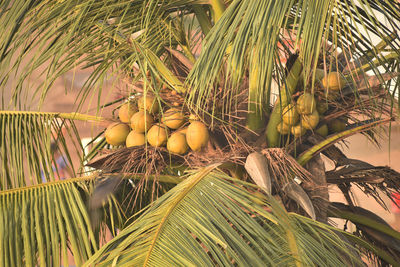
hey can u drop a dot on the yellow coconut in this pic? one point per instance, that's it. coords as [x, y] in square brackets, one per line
[141, 122]
[322, 131]
[135, 139]
[298, 130]
[322, 107]
[336, 126]
[149, 103]
[290, 115]
[310, 121]
[157, 135]
[126, 111]
[306, 104]
[283, 128]
[197, 135]
[333, 81]
[173, 118]
[116, 133]
[177, 143]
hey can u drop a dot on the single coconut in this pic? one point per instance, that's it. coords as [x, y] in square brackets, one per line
[283, 128]
[290, 115]
[310, 121]
[177, 143]
[322, 131]
[157, 135]
[126, 111]
[116, 133]
[322, 107]
[135, 139]
[197, 135]
[141, 122]
[173, 118]
[336, 126]
[306, 104]
[149, 103]
[333, 81]
[298, 130]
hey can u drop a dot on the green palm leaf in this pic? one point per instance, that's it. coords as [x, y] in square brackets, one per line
[245, 38]
[40, 224]
[25, 143]
[211, 219]
[59, 36]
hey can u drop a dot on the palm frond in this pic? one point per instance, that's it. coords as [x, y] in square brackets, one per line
[245, 39]
[61, 36]
[304, 157]
[211, 219]
[41, 223]
[25, 146]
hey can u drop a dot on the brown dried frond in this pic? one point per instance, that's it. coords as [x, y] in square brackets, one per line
[371, 180]
[284, 167]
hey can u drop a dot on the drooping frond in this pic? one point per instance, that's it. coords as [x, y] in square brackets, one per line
[44, 224]
[59, 36]
[40, 224]
[29, 141]
[211, 219]
[249, 37]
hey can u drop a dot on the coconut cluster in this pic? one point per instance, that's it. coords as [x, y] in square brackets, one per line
[306, 112]
[143, 122]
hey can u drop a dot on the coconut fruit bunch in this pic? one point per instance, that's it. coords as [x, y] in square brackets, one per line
[305, 112]
[143, 123]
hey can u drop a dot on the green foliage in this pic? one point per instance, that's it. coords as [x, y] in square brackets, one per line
[25, 143]
[211, 219]
[40, 224]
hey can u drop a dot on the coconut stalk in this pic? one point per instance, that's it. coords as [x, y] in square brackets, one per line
[309, 153]
[375, 50]
[342, 213]
[202, 17]
[389, 58]
[218, 7]
[286, 92]
[255, 115]
[69, 116]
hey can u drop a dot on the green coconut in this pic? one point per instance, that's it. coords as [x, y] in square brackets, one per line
[306, 104]
[336, 126]
[333, 81]
[322, 131]
[283, 128]
[310, 121]
[298, 130]
[290, 116]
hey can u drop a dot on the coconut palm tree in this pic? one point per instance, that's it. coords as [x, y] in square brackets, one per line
[250, 71]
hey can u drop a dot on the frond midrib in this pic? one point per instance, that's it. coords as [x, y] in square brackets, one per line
[203, 173]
